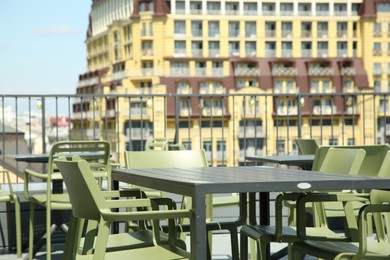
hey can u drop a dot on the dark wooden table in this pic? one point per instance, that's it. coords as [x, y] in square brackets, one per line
[303, 161]
[197, 182]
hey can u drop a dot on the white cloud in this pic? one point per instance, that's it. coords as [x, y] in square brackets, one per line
[58, 30]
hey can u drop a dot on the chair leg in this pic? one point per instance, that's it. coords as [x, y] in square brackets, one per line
[31, 232]
[244, 246]
[48, 232]
[18, 227]
[234, 243]
[101, 242]
[71, 242]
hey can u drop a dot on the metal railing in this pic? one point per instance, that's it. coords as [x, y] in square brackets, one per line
[32, 123]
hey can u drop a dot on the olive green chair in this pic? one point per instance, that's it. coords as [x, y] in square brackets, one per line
[185, 159]
[9, 196]
[90, 203]
[345, 161]
[363, 249]
[53, 199]
[307, 146]
[157, 144]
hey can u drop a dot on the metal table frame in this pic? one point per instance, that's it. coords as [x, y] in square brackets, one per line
[197, 182]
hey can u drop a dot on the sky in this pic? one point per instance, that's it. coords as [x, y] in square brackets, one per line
[42, 45]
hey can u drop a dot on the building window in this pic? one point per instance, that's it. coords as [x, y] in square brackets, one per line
[213, 29]
[180, 28]
[280, 146]
[333, 141]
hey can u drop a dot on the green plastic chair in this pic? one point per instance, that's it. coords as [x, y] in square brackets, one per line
[9, 196]
[89, 202]
[307, 146]
[98, 155]
[346, 161]
[157, 144]
[185, 159]
[363, 249]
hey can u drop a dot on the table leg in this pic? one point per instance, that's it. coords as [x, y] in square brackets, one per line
[115, 225]
[198, 227]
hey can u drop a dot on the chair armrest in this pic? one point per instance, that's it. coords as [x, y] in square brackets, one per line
[27, 175]
[345, 198]
[363, 215]
[131, 193]
[279, 201]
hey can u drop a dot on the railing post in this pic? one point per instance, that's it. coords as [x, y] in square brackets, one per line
[176, 139]
[43, 125]
[299, 116]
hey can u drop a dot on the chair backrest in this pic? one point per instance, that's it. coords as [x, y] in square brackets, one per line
[319, 157]
[346, 161]
[379, 197]
[307, 146]
[84, 193]
[375, 154]
[166, 159]
[157, 143]
[94, 151]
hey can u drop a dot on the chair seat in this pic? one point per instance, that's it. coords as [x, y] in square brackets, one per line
[156, 252]
[58, 201]
[325, 248]
[289, 234]
[128, 240]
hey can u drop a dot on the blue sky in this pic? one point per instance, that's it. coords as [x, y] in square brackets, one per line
[42, 49]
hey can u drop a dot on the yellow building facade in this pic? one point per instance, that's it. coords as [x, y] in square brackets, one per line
[276, 61]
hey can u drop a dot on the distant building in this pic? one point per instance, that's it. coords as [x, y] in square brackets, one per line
[241, 46]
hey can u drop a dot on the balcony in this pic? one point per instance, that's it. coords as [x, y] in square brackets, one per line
[322, 34]
[147, 52]
[249, 151]
[377, 72]
[322, 13]
[246, 72]
[137, 133]
[287, 53]
[184, 90]
[213, 12]
[287, 13]
[179, 53]
[287, 34]
[324, 110]
[270, 33]
[307, 53]
[185, 112]
[88, 82]
[250, 12]
[322, 53]
[179, 72]
[284, 110]
[270, 53]
[304, 13]
[376, 52]
[197, 52]
[340, 13]
[284, 71]
[268, 13]
[217, 72]
[215, 111]
[342, 33]
[348, 71]
[320, 71]
[306, 34]
[250, 53]
[200, 72]
[342, 53]
[214, 52]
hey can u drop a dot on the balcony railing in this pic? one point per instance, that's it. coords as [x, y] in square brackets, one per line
[164, 115]
[284, 71]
